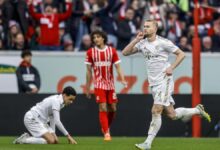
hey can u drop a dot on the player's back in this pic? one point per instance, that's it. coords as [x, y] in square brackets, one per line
[45, 107]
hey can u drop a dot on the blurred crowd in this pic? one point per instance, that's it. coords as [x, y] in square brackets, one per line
[65, 25]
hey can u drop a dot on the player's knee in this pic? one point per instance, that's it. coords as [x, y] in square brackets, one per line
[172, 116]
[51, 141]
[156, 111]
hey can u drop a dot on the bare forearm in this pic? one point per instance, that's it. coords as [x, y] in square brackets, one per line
[178, 60]
[120, 73]
[129, 49]
[88, 79]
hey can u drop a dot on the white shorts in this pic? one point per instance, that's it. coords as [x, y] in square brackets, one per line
[35, 125]
[162, 93]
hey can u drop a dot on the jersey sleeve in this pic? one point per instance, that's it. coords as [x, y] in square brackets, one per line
[138, 46]
[115, 58]
[170, 47]
[56, 105]
[88, 59]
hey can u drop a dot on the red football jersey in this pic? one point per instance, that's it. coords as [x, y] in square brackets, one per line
[102, 61]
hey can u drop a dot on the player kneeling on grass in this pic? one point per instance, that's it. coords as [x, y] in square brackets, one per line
[37, 118]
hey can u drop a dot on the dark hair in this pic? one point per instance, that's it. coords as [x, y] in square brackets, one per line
[101, 33]
[26, 53]
[69, 91]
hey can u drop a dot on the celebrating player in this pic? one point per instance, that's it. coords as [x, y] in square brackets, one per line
[156, 51]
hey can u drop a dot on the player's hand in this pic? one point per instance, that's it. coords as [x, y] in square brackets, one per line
[34, 90]
[169, 71]
[71, 140]
[124, 83]
[140, 36]
[88, 94]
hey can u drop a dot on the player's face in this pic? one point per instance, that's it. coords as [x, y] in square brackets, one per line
[98, 40]
[149, 28]
[68, 99]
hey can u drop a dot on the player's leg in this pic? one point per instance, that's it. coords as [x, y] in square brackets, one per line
[154, 127]
[112, 106]
[185, 114]
[35, 127]
[103, 116]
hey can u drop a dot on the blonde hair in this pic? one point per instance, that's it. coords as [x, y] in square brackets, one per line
[154, 22]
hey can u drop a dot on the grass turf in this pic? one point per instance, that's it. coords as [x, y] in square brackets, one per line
[118, 143]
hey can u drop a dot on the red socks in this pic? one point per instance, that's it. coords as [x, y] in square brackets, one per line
[103, 118]
[111, 117]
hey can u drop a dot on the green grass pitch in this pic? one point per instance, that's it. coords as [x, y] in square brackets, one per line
[118, 143]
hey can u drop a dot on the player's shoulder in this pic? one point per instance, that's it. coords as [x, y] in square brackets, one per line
[162, 39]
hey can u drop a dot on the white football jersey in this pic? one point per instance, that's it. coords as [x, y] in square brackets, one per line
[45, 108]
[156, 54]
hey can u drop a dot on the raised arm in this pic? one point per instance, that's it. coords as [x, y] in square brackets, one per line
[130, 49]
[67, 13]
[35, 15]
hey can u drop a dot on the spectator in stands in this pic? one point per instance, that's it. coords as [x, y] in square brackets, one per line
[68, 45]
[19, 43]
[1, 44]
[81, 21]
[104, 12]
[14, 30]
[207, 44]
[49, 25]
[16, 9]
[86, 43]
[27, 75]
[184, 45]
[126, 29]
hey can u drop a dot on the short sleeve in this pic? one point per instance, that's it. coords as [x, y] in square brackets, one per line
[88, 59]
[115, 58]
[138, 46]
[170, 47]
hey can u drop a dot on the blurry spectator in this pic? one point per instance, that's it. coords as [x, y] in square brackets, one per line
[126, 29]
[81, 21]
[173, 28]
[86, 43]
[68, 45]
[105, 11]
[19, 43]
[184, 45]
[207, 44]
[14, 30]
[1, 44]
[216, 36]
[49, 25]
[64, 37]
[27, 75]
[154, 11]
[16, 9]
[139, 8]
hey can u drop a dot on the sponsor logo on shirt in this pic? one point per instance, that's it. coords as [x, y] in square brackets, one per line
[103, 63]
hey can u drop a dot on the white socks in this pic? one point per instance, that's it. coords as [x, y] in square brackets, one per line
[154, 128]
[34, 140]
[185, 114]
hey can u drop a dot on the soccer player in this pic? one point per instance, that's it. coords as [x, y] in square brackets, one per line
[101, 58]
[36, 119]
[156, 51]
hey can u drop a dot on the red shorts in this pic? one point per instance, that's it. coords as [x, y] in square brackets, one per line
[105, 96]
